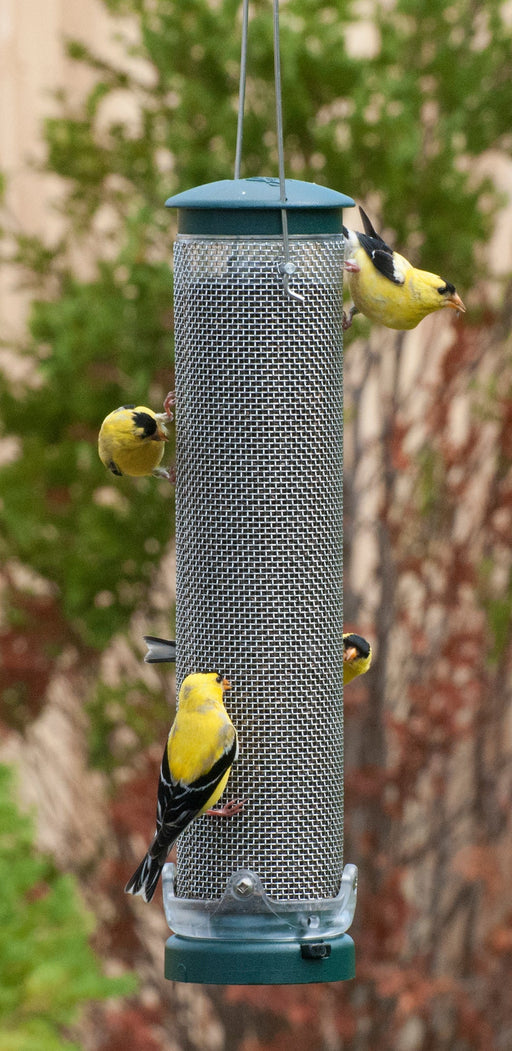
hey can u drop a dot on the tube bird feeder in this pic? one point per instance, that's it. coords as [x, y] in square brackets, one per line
[263, 898]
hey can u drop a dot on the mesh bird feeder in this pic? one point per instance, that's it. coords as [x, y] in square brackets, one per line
[263, 897]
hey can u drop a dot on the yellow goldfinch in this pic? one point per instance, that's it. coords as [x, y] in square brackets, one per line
[357, 654]
[200, 750]
[386, 288]
[132, 440]
[357, 657]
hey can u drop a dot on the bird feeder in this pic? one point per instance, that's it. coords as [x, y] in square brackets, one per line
[264, 897]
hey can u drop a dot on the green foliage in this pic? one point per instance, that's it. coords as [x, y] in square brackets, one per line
[47, 968]
[404, 124]
[497, 604]
[499, 616]
[431, 486]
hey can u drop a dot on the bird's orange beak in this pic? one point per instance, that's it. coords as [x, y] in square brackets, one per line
[455, 302]
[350, 653]
[160, 435]
[226, 685]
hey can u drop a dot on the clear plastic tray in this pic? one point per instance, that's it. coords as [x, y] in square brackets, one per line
[245, 912]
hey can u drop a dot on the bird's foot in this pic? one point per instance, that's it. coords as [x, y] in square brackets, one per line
[351, 266]
[347, 319]
[170, 400]
[167, 416]
[169, 473]
[228, 810]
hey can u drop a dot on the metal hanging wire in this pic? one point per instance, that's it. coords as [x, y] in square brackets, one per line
[241, 91]
[286, 268]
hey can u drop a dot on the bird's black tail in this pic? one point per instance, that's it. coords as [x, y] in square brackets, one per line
[160, 651]
[145, 878]
[369, 228]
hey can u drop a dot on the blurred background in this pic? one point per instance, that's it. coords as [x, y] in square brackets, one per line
[108, 107]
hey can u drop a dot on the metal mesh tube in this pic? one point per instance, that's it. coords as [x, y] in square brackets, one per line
[259, 550]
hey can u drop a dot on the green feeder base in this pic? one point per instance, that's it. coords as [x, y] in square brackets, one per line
[213, 962]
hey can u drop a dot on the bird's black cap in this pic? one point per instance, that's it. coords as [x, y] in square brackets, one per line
[146, 423]
[361, 645]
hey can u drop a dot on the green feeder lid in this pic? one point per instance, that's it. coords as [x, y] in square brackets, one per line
[253, 206]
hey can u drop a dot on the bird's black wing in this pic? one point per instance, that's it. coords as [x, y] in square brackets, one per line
[179, 804]
[379, 252]
[381, 257]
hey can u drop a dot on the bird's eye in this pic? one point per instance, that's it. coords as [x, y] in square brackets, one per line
[220, 678]
[447, 289]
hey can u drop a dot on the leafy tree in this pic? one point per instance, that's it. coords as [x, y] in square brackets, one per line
[47, 969]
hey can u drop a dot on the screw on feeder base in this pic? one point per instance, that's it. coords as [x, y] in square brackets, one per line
[315, 951]
[244, 886]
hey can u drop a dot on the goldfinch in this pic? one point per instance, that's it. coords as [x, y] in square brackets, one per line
[200, 750]
[132, 440]
[386, 288]
[357, 654]
[357, 657]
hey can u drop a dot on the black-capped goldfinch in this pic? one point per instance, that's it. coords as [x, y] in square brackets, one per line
[200, 750]
[132, 440]
[357, 656]
[386, 288]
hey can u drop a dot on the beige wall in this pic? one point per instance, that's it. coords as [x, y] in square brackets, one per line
[32, 65]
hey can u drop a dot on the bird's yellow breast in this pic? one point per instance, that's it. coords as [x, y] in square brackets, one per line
[198, 739]
[216, 794]
[354, 668]
[139, 459]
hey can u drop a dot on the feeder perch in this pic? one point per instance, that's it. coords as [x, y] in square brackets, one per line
[263, 897]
